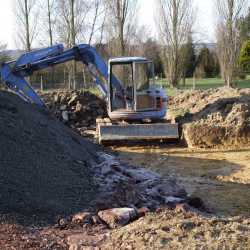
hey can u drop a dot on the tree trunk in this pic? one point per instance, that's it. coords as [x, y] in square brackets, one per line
[73, 40]
[27, 29]
[50, 26]
[120, 18]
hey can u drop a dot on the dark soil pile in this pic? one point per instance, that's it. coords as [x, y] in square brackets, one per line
[77, 109]
[212, 118]
[45, 168]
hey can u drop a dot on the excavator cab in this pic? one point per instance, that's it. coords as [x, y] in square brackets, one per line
[140, 95]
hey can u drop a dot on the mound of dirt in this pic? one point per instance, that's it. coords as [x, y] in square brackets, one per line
[212, 118]
[77, 109]
[44, 166]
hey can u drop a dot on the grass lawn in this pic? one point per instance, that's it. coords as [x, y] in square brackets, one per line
[206, 83]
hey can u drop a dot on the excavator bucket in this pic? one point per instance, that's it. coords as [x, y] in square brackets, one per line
[108, 132]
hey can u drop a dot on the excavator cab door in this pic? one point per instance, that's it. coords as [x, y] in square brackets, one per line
[135, 75]
[143, 80]
[123, 71]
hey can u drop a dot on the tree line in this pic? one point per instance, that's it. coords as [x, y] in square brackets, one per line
[112, 27]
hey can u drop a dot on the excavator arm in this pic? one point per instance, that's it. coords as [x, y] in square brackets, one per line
[13, 73]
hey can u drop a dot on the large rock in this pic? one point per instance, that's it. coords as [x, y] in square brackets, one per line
[117, 217]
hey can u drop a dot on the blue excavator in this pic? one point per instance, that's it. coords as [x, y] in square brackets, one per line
[136, 106]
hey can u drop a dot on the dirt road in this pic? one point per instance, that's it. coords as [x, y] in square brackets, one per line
[220, 178]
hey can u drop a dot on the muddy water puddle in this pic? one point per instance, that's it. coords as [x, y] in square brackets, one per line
[220, 178]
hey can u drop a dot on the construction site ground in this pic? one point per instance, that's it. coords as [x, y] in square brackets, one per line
[215, 175]
[220, 178]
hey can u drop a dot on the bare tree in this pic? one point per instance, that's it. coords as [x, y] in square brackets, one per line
[120, 23]
[26, 16]
[50, 12]
[228, 37]
[79, 20]
[97, 6]
[175, 19]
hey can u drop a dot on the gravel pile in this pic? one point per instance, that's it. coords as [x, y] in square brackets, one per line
[45, 168]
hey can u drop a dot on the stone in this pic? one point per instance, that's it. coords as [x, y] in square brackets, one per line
[73, 100]
[117, 217]
[78, 108]
[65, 116]
[96, 220]
[63, 223]
[56, 98]
[187, 226]
[63, 107]
[182, 208]
[142, 211]
[81, 218]
[161, 209]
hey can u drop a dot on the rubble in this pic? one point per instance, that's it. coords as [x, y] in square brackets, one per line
[125, 185]
[77, 109]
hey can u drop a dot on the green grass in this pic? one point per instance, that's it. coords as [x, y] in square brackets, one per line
[203, 84]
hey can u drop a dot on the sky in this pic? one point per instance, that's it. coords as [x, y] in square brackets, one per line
[204, 25]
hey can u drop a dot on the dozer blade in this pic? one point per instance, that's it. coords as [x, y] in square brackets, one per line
[137, 132]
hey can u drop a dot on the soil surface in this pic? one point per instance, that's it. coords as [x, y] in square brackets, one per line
[213, 118]
[220, 178]
[177, 230]
[53, 182]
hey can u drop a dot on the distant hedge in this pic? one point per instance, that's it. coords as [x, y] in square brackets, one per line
[244, 59]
